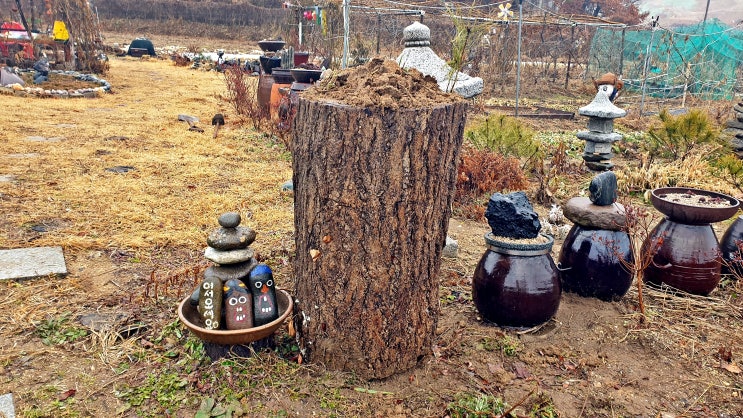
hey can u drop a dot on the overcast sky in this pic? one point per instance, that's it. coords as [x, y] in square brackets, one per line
[692, 11]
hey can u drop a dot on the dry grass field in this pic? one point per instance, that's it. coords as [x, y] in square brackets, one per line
[134, 241]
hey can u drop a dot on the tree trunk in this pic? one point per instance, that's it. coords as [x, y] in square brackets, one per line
[373, 193]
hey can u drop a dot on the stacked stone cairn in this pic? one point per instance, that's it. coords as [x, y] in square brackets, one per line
[601, 113]
[228, 298]
[734, 128]
[597, 249]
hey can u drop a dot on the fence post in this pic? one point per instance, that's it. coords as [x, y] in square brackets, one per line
[620, 72]
[647, 62]
[518, 61]
[570, 53]
[346, 17]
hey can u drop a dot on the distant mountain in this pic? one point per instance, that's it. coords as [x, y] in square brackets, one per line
[674, 12]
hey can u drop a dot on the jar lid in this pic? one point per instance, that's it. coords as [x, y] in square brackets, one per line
[519, 247]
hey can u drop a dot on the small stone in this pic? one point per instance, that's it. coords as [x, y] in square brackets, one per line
[287, 186]
[225, 239]
[451, 249]
[7, 409]
[512, 216]
[227, 272]
[603, 189]
[120, 169]
[238, 305]
[261, 284]
[581, 211]
[210, 302]
[228, 257]
[229, 219]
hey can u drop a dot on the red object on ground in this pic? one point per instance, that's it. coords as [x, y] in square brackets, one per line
[14, 39]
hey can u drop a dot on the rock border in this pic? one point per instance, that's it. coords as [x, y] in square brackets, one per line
[89, 92]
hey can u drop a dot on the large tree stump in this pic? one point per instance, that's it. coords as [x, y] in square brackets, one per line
[373, 188]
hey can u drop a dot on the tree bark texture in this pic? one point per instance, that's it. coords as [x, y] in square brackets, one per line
[373, 189]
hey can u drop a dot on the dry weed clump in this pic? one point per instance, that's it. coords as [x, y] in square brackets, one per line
[480, 172]
[695, 171]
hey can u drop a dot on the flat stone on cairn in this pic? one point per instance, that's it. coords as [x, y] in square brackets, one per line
[512, 216]
[229, 272]
[228, 257]
[225, 239]
[581, 211]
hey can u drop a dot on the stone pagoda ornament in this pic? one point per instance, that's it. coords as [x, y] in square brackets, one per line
[418, 54]
[601, 113]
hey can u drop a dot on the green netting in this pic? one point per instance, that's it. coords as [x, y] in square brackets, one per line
[702, 59]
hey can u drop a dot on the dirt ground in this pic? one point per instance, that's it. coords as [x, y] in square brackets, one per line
[133, 240]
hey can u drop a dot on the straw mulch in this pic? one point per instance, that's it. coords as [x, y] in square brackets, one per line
[181, 181]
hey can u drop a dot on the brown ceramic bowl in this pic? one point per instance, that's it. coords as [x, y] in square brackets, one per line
[271, 45]
[689, 214]
[282, 76]
[188, 314]
[302, 75]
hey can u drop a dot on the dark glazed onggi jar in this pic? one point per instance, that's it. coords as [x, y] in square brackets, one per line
[596, 263]
[731, 245]
[687, 259]
[516, 284]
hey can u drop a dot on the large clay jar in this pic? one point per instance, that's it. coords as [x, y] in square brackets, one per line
[265, 82]
[731, 246]
[595, 263]
[688, 257]
[515, 284]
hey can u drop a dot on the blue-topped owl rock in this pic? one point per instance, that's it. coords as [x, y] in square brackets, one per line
[238, 305]
[262, 286]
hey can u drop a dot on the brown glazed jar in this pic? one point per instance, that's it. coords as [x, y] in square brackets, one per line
[688, 258]
[595, 263]
[516, 284]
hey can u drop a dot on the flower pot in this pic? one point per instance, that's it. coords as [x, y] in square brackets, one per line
[593, 263]
[265, 82]
[515, 284]
[693, 214]
[301, 57]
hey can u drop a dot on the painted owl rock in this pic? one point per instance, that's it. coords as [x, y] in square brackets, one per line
[238, 305]
[210, 302]
[262, 286]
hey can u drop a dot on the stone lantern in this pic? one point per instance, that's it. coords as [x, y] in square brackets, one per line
[601, 113]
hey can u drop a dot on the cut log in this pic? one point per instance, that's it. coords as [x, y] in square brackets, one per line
[373, 189]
